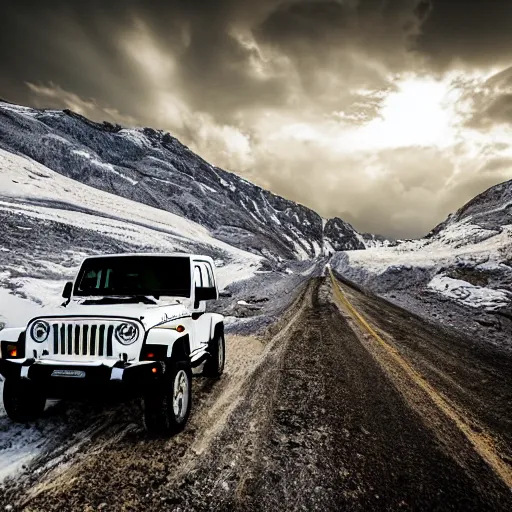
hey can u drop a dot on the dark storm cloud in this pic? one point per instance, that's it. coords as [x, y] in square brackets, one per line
[471, 32]
[335, 44]
[77, 45]
[317, 28]
[72, 44]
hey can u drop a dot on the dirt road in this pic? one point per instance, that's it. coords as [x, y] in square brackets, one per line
[318, 414]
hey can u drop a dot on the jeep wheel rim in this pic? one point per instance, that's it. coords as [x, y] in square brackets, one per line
[180, 396]
[220, 351]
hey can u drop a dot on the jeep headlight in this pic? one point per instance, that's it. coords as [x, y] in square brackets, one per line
[40, 331]
[127, 333]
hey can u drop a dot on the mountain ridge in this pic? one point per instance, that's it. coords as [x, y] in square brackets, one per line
[153, 167]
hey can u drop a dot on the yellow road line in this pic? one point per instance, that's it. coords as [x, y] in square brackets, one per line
[482, 443]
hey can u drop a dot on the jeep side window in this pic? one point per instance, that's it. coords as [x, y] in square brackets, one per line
[209, 273]
[206, 275]
[107, 278]
[198, 276]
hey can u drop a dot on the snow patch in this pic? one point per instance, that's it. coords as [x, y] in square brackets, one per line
[15, 311]
[225, 184]
[103, 165]
[206, 188]
[275, 219]
[135, 136]
[468, 294]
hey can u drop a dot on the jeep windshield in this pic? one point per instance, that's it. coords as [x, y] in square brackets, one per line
[138, 276]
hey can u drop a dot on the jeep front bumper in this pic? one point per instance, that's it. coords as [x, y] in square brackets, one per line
[60, 379]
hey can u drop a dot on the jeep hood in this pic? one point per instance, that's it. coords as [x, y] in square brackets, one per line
[149, 314]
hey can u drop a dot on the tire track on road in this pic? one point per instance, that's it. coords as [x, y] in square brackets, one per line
[481, 441]
[342, 437]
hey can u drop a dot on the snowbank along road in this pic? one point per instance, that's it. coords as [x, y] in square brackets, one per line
[348, 403]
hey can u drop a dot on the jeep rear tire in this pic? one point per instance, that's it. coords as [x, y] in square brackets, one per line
[23, 401]
[167, 404]
[214, 366]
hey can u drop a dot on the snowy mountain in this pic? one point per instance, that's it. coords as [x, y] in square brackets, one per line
[466, 260]
[341, 236]
[371, 240]
[71, 187]
[490, 210]
[155, 169]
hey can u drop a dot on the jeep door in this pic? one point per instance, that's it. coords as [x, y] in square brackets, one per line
[203, 278]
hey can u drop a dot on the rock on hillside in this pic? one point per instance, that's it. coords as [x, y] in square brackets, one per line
[341, 236]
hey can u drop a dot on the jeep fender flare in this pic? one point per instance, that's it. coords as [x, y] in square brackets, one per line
[12, 335]
[178, 344]
[180, 350]
[217, 323]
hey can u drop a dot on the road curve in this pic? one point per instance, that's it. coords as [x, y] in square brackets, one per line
[314, 416]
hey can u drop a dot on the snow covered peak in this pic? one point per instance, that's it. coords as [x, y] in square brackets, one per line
[488, 211]
[341, 236]
[491, 209]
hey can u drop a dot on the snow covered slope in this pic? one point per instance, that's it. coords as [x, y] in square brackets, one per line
[466, 260]
[154, 168]
[51, 222]
[490, 211]
[486, 262]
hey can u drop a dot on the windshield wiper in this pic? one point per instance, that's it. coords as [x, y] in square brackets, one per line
[132, 299]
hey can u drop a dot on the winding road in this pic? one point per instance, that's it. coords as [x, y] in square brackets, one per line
[348, 403]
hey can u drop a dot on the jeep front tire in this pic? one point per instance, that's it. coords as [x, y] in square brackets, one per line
[23, 401]
[167, 404]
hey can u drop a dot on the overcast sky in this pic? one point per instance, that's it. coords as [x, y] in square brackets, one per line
[390, 114]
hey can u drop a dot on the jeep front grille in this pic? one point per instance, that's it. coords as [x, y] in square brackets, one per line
[78, 339]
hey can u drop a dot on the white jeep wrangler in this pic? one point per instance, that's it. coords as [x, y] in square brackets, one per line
[131, 322]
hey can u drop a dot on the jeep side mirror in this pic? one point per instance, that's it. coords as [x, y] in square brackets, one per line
[204, 294]
[68, 290]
